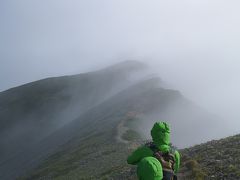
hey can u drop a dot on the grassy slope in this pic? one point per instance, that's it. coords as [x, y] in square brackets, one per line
[218, 159]
[99, 156]
[29, 114]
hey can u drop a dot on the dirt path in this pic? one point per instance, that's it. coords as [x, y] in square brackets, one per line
[121, 129]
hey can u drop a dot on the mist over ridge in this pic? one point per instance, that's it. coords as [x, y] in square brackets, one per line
[81, 74]
[193, 45]
[39, 117]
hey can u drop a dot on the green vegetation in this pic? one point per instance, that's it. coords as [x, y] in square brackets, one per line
[219, 159]
[195, 170]
[99, 157]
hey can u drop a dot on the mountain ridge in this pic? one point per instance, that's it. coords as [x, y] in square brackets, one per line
[75, 113]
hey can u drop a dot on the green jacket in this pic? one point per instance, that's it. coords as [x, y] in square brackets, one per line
[161, 138]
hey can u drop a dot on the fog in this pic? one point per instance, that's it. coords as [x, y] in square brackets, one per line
[193, 45]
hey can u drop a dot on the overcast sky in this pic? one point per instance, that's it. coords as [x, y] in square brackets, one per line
[193, 44]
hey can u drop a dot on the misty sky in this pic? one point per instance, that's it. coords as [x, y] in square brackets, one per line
[193, 44]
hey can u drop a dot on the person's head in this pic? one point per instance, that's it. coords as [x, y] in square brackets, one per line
[161, 135]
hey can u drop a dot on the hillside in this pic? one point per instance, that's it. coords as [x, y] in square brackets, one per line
[102, 131]
[217, 159]
[84, 125]
[99, 157]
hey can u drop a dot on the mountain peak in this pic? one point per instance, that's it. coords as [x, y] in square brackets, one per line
[128, 65]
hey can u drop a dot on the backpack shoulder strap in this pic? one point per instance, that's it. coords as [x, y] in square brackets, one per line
[152, 146]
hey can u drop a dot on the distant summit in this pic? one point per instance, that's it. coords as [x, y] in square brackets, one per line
[128, 65]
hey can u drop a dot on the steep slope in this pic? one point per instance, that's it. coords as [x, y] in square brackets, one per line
[91, 148]
[91, 144]
[217, 159]
[83, 126]
[98, 158]
[86, 90]
[33, 111]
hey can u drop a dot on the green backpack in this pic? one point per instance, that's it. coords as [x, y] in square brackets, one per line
[149, 168]
[158, 167]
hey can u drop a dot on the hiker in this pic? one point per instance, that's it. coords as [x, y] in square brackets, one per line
[156, 160]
